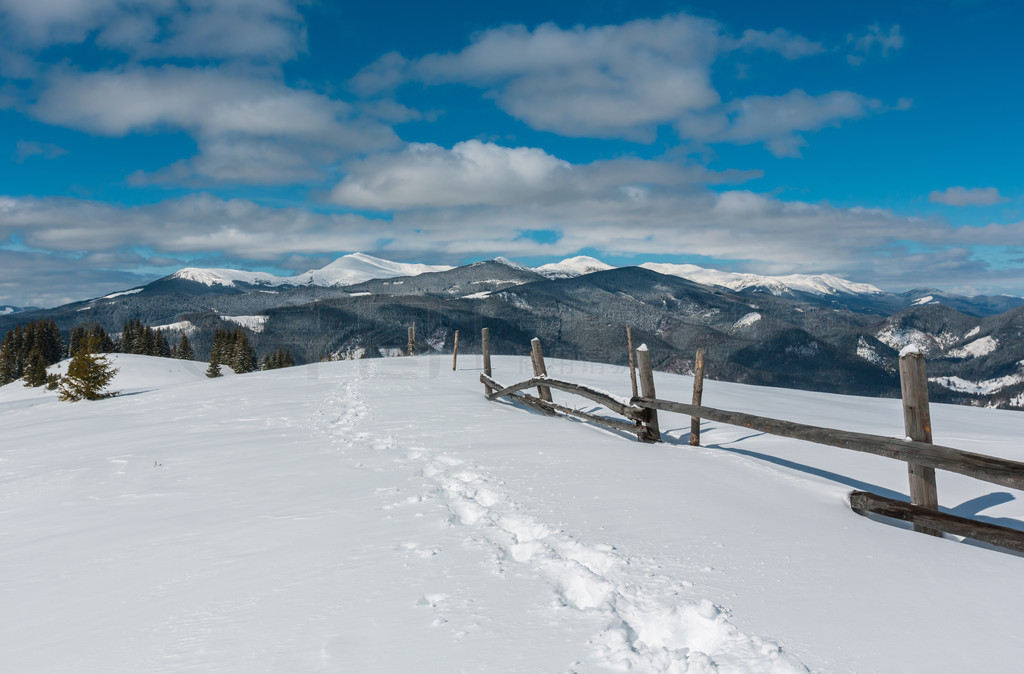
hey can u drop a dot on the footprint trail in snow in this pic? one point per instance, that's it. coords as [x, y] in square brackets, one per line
[648, 624]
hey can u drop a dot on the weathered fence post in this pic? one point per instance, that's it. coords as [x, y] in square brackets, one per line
[485, 339]
[539, 370]
[643, 362]
[455, 352]
[917, 421]
[698, 393]
[411, 347]
[632, 362]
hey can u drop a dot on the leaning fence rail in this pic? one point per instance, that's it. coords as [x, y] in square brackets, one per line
[916, 449]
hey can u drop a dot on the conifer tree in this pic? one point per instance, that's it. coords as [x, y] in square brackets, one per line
[214, 369]
[89, 372]
[35, 367]
[8, 359]
[183, 350]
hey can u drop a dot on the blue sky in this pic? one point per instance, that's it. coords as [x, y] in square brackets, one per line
[877, 141]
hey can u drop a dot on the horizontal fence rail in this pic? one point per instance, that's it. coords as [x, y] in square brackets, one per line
[599, 397]
[1012, 539]
[634, 413]
[989, 468]
[916, 449]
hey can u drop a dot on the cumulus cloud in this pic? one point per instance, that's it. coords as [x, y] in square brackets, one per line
[963, 196]
[776, 120]
[220, 82]
[250, 128]
[865, 43]
[270, 30]
[445, 206]
[626, 81]
[476, 173]
[780, 40]
[28, 148]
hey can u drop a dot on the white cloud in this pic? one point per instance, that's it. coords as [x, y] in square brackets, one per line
[605, 81]
[25, 149]
[250, 127]
[267, 30]
[472, 172]
[625, 81]
[780, 40]
[480, 200]
[864, 44]
[475, 173]
[221, 82]
[963, 196]
[776, 120]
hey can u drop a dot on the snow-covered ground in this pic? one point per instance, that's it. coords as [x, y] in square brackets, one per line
[382, 516]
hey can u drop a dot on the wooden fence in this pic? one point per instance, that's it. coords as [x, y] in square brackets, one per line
[640, 418]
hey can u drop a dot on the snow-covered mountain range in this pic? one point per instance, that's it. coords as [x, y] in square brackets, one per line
[359, 267]
[346, 270]
[817, 332]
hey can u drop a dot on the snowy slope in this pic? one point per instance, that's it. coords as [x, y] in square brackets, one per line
[573, 266]
[346, 270]
[816, 284]
[381, 515]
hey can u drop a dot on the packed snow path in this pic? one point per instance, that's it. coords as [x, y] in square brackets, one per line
[647, 625]
[383, 516]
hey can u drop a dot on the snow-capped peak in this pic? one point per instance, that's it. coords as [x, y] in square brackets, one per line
[346, 270]
[359, 267]
[510, 263]
[817, 284]
[573, 266]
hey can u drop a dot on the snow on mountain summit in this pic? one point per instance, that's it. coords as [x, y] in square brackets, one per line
[359, 267]
[346, 270]
[817, 284]
[573, 266]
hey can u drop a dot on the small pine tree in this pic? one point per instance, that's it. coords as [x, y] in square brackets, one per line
[214, 369]
[183, 350]
[89, 372]
[35, 368]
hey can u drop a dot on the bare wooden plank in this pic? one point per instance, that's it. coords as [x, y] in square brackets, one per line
[598, 397]
[632, 360]
[933, 520]
[485, 340]
[616, 424]
[979, 466]
[643, 359]
[535, 403]
[917, 422]
[455, 352]
[539, 369]
[698, 394]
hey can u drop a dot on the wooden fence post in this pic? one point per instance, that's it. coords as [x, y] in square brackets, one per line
[917, 421]
[632, 362]
[698, 393]
[539, 370]
[455, 352]
[643, 361]
[411, 346]
[485, 339]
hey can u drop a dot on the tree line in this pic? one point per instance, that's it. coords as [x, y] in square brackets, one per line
[27, 351]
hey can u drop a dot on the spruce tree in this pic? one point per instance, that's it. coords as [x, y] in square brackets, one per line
[35, 367]
[8, 359]
[89, 372]
[214, 369]
[183, 350]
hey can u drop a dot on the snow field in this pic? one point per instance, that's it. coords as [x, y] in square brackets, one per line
[381, 515]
